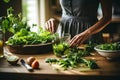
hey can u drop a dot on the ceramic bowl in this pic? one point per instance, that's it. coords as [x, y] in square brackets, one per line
[109, 54]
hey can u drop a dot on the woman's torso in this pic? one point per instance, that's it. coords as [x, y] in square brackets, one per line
[80, 8]
[78, 15]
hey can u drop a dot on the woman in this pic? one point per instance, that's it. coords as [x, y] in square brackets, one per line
[79, 18]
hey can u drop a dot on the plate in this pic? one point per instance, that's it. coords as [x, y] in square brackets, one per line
[30, 49]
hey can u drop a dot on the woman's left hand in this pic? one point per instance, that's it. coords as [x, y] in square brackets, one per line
[78, 39]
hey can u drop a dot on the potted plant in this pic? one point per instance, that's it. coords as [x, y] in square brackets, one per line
[12, 23]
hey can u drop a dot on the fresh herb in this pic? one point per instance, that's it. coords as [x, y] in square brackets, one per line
[6, 1]
[25, 37]
[110, 46]
[51, 60]
[60, 48]
[72, 62]
[63, 48]
[72, 57]
[13, 23]
[90, 46]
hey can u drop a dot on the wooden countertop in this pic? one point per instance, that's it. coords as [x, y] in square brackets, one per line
[108, 70]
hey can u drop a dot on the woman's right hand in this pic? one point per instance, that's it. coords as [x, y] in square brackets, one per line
[51, 25]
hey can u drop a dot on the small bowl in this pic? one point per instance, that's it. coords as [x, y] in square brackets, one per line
[109, 54]
[12, 59]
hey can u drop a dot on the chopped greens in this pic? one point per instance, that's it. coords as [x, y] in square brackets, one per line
[72, 62]
[110, 46]
[60, 48]
[63, 49]
[72, 57]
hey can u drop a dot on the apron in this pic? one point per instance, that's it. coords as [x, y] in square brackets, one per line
[77, 16]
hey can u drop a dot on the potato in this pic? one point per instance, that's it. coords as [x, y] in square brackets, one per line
[30, 60]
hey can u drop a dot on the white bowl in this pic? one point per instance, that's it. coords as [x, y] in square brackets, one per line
[109, 54]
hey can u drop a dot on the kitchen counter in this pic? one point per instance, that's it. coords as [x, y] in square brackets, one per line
[108, 70]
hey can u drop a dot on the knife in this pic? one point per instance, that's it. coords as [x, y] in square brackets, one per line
[28, 67]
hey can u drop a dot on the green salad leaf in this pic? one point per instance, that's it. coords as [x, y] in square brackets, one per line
[26, 37]
[63, 48]
[13, 22]
[72, 57]
[110, 46]
[72, 62]
[60, 48]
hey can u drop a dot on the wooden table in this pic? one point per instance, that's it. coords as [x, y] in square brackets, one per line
[108, 70]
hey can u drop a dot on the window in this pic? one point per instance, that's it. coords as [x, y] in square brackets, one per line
[30, 11]
[35, 12]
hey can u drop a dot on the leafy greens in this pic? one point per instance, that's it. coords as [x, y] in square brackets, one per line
[25, 37]
[72, 57]
[110, 46]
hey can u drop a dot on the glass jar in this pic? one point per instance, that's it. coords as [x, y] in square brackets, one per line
[66, 37]
[1, 45]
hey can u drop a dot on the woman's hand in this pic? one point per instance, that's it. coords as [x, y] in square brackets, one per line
[79, 39]
[51, 25]
[97, 27]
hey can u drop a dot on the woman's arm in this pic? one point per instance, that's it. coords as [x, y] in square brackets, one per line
[106, 6]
